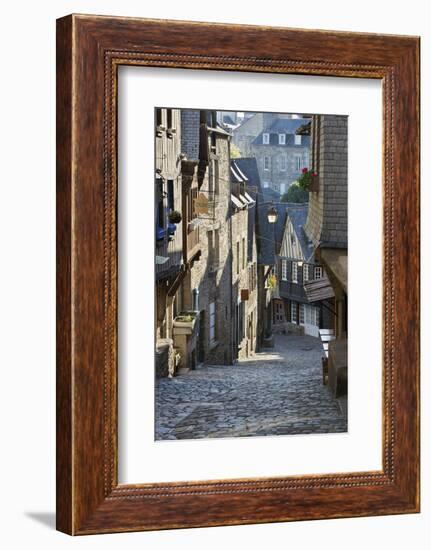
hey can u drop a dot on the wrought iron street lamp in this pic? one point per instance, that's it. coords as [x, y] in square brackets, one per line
[272, 215]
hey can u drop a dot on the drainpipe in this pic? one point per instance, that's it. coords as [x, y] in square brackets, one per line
[195, 306]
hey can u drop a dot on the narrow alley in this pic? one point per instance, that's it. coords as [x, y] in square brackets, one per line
[276, 392]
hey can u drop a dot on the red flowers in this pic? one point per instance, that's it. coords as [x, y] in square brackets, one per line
[306, 179]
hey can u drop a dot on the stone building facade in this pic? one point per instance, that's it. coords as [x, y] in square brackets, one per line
[281, 153]
[327, 218]
[250, 127]
[244, 262]
[209, 279]
[169, 246]
[327, 227]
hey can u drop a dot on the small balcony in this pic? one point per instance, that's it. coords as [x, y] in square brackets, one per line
[168, 249]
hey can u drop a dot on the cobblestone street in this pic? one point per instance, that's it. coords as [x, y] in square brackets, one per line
[275, 392]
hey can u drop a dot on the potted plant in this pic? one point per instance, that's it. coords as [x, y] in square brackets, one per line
[175, 216]
[184, 323]
[308, 180]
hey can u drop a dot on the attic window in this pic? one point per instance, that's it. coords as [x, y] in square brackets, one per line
[298, 139]
[265, 139]
[282, 139]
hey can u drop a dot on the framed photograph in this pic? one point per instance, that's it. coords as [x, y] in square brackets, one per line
[237, 274]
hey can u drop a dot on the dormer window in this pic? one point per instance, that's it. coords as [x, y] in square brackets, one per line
[265, 139]
[282, 139]
[298, 139]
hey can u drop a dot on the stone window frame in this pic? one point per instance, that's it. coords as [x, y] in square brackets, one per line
[283, 163]
[265, 138]
[298, 163]
[282, 139]
[266, 165]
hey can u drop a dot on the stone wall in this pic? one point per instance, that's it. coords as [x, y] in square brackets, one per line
[212, 273]
[190, 133]
[333, 167]
[277, 179]
[244, 277]
[245, 134]
[164, 358]
[327, 213]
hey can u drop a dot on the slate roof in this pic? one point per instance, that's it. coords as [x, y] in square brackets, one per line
[228, 120]
[264, 232]
[298, 216]
[270, 194]
[246, 169]
[269, 236]
[287, 126]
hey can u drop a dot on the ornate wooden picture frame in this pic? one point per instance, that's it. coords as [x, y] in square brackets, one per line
[89, 51]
